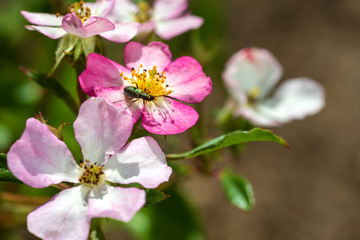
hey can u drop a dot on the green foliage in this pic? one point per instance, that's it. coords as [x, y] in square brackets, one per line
[54, 87]
[229, 139]
[5, 174]
[96, 232]
[238, 190]
[155, 196]
[173, 219]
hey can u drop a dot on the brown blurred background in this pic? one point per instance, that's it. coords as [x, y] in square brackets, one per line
[312, 190]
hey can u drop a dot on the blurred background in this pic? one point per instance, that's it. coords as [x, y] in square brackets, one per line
[310, 191]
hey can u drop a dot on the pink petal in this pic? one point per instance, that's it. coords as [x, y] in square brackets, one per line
[168, 116]
[123, 32]
[115, 95]
[101, 8]
[167, 9]
[174, 27]
[251, 69]
[187, 80]
[40, 159]
[294, 99]
[154, 54]
[101, 72]
[123, 11]
[118, 203]
[93, 26]
[43, 19]
[146, 28]
[63, 217]
[51, 32]
[101, 129]
[141, 161]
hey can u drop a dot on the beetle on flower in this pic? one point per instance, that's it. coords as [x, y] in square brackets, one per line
[165, 18]
[250, 76]
[40, 159]
[83, 20]
[150, 86]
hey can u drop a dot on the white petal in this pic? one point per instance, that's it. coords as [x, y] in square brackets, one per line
[251, 71]
[140, 161]
[101, 129]
[63, 217]
[116, 202]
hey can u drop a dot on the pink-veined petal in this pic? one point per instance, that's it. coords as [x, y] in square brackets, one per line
[116, 202]
[171, 28]
[187, 80]
[167, 9]
[43, 19]
[51, 32]
[40, 159]
[252, 71]
[115, 95]
[92, 26]
[101, 72]
[168, 116]
[101, 129]
[123, 32]
[140, 161]
[294, 99]
[154, 54]
[101, 8]
[63, 217]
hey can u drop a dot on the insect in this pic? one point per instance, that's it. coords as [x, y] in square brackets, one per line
[134, 92]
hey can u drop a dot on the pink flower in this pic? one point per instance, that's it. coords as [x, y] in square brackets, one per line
[150, 70]
[166, 17]
[40, 159]
[251, 74]
[83, 20]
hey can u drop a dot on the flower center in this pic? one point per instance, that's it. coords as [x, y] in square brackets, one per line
[253, 95]
[81, 10]
[91, 174]
[144, 12]
[149, 81]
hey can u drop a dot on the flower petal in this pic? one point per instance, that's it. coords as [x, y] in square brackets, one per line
[40, 159]
[251, 71]
[294, 99]
[101, 129]
[51, 32]
[63, 217]
[101, 8]
[115, 95]
[101, 72]
[168, 116]
[187, 80]
[123, 32]
[123, 11]
[174, 27]
[92, 26]
[154, 54]
[118, 203]
[167, 9]
[43, 19]
[140, 161]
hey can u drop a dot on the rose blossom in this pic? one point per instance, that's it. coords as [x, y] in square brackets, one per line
[83, 20]
[251, 74]
[150, 70]
[40, 159]
[166, 17]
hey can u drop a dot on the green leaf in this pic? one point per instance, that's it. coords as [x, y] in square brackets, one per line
[155, 196]
[229, 139]
[5, 174]
[54, 87]
[238, 190]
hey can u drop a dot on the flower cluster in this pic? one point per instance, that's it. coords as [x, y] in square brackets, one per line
[149, 88]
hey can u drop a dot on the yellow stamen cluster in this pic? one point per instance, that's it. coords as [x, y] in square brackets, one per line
[149, 81]
[91, 174]
[81, 10]
[253, 94]
[144, 13]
